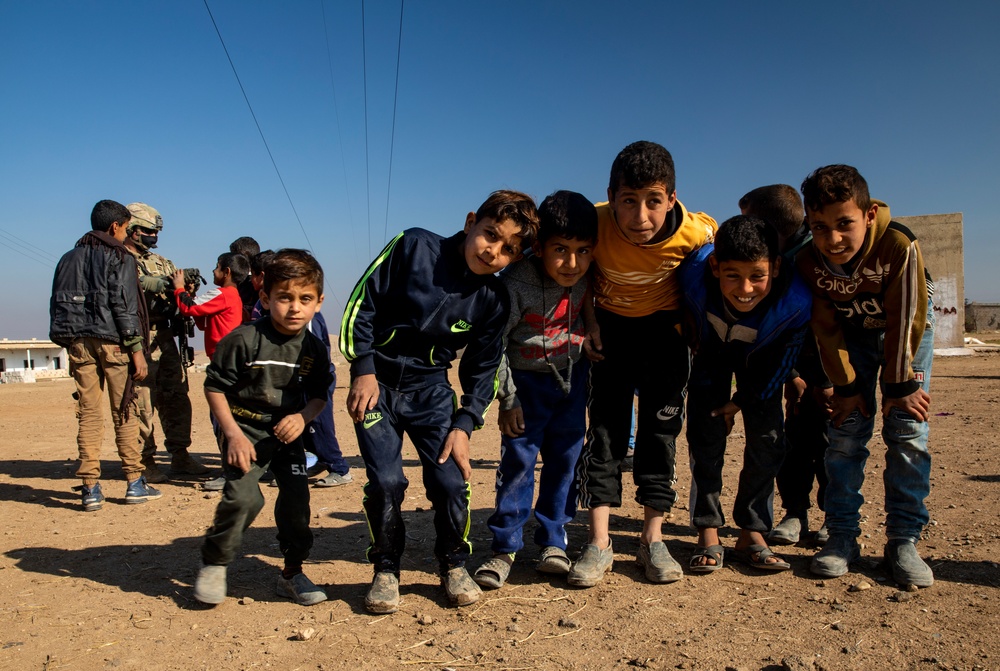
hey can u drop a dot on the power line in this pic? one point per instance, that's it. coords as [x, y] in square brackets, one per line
[46, 263]
[24, 243]
[392, 137]
[364, 67]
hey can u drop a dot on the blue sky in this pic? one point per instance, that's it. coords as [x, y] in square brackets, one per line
[135, 100]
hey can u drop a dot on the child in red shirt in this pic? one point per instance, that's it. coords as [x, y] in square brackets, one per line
[218, 311]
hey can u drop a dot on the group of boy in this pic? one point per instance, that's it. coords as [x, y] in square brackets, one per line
[639, 268]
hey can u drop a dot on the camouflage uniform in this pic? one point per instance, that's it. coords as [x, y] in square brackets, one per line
[166, 386]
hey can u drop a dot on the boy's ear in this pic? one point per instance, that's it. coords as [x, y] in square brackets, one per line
[870, 215]
[264, 302]
[777, 267]
[470, 221]
[713, 263]
[536, 247]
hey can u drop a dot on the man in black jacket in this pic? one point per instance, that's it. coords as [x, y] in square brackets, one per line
[97, 313]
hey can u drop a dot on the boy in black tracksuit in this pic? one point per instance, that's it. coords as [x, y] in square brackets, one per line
[420, 301]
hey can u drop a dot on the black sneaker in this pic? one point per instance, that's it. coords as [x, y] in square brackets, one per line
[139, 492]
[93, 498]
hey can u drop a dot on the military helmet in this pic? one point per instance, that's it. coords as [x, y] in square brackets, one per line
[144, 216]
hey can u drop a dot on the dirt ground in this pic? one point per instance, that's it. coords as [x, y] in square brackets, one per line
[112, 589]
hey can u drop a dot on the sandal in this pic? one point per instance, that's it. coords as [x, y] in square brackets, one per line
[553, 560]
[493, 572]
[756, 556]
[716, 553]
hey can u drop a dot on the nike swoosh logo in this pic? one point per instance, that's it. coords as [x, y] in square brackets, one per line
[369, 423]
[461, 327]
[667, 413]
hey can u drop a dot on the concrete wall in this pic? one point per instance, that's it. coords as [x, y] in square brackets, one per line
[940, 237]
[982, 317]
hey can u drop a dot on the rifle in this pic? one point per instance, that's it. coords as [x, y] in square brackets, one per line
[184, 328]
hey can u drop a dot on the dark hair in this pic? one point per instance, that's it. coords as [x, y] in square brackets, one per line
[239, 266]
[745, 238]
[107, 212]
[642, 164]
[567, 214]
[293, 265]
[512, 206]
[246, 246]
[778, 204]
[835, 184]
[258, 261]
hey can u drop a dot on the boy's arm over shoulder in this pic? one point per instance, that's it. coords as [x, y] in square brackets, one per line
[905, 306]
[477, 370]
[357, 326]
[705, 228]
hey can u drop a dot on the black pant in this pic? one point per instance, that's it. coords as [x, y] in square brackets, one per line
[806, 440]
[242, 500]
[648, 355]
[425, 415]
[711, 388]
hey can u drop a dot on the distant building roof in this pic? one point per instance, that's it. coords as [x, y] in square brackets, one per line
[34, 343]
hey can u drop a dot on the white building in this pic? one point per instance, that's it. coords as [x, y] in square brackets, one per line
[26, 360]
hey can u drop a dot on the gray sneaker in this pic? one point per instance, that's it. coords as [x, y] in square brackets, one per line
[383, 595]
[334, 480]
[822, 536]
[210, 587]
[788, 531]
[906, 565]
[461, 589]
[590, 568]
[836, 556]
[300, 589]
[659, 565]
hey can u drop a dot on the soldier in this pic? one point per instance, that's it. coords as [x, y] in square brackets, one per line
[166, 386]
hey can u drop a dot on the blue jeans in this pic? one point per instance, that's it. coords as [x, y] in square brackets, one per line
[555, 425]
[908, 462]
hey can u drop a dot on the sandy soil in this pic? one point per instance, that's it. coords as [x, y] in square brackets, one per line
[112, 589]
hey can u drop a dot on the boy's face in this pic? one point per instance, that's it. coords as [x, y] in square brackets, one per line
[491, 246]
[744, 284]
[641, 213]
[119, 231]
[565, 260]
[839, 229]
[292, 305]
[257, 280]
[218, 276]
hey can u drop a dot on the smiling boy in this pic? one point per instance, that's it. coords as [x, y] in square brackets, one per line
[752, 316]
[219, 311]
[420, 301]
[873, 323]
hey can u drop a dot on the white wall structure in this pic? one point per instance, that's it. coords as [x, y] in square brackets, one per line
[26, 360]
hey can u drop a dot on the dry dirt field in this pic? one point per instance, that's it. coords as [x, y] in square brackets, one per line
[112, 589]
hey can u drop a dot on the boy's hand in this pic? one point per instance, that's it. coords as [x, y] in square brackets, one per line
[918, 404]
[239, 451]
[456, 446]
[290, 427]
[141, 368]
[842, 406]
[823, 396]
[794, 390]
[362, 397]
[178, 279]
[512, 422]
[592, 345]
[728, 415]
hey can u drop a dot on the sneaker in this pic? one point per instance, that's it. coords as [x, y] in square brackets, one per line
[184, 463]
[216, 485]
[334, 480]
[383, 595]
[836, 556]
[660, 566]
[300, 589]
[906, 565]
[461, 589]
[590, 568]
[210, 587]
[93, 497]
[822, 536]
[152, 473]
[788, 531]
[140, 492]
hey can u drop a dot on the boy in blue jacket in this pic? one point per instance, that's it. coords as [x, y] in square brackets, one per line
[420, 301]
[751, 317]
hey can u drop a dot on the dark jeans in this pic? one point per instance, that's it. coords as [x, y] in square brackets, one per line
[425, 415]
[242, 500]
[648, 356]
[806, 440]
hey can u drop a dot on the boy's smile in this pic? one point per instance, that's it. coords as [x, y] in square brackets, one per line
[839, 229]
[490, 246]
[292, 304]
[744, 284]
[641, 213]
[565, 260]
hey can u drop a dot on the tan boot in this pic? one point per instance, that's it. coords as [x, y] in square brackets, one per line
[184, 463]
[152, 472]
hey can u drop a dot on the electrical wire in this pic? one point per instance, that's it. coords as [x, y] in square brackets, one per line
[364, 65]
[20, 242]
[45, 263]
[392, 137]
